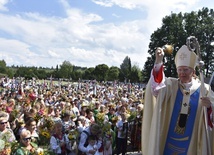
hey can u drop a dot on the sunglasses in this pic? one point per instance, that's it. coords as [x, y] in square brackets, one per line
[3, 123]
[26, 139]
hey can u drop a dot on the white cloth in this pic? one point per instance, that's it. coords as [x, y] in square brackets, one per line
[108, 147]
[121, 132]
[90, 147]
[55, 143]
[157, 116]
[83, 138]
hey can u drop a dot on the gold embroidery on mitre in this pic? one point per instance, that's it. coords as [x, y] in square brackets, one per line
[182, 56]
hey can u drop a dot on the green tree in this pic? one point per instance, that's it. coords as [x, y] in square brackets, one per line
[136, 75]
[147, 69]
[77, 74]
[125, 69]
[3, 67]
[66, 70]
[41, 74]
[100, 72]
[26, 72]
[113, 73]
[89, 74]
[175, 29]
[201, 25]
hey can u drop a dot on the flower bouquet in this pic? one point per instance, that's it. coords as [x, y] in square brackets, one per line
[73, 138]
[6, 143]
[73, 135]
[4, 148]
[132, 116]
[45, 130]
[100, 117]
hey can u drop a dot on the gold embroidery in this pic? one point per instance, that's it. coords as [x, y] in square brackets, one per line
[178, 129]
[184, 113]
[182, 56]
[180, 139]
[176, 150]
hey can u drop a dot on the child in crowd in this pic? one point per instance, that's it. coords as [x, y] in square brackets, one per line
[92, 145]
[122, 128]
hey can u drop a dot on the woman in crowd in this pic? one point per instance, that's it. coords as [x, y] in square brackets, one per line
[67, 122]
[26, 147]
[6, 134]
[32, 127]
[59, 140]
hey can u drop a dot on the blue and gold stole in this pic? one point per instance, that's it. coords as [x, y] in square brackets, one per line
[181, 125]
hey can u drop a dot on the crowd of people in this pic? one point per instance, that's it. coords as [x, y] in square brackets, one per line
[43, 117]
[90, 118]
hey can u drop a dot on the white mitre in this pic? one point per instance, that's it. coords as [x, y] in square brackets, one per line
[185, 57]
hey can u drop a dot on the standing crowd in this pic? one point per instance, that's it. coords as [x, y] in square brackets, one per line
[82, 118]
[88, 118]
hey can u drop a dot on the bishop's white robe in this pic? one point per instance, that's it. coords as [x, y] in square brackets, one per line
[157, 116]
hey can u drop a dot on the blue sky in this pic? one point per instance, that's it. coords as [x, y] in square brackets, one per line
[84, 32]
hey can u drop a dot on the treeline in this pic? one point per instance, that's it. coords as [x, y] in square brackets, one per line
[66, 70]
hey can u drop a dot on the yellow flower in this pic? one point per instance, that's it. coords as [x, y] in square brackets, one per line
[100, 117]
[40, 151]
[46, 134]
[106, 127]
[115, 118]
[108, 132]
[70, 136]
[73, 135]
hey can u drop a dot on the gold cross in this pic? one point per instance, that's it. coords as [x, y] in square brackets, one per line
[183, 56]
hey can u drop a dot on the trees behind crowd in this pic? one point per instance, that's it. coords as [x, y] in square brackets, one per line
[71, 72]
[175, 29]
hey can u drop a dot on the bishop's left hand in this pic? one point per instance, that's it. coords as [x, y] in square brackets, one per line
[205, 101]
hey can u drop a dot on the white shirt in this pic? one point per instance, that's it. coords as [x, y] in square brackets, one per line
[121, 132]
[83, 138]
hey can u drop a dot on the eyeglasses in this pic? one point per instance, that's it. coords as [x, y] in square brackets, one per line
[26, 139]
[3, 123]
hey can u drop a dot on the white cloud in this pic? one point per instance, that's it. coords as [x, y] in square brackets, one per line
[115, 15]
[2, 5]
[83, 38]
[16, 52]
[53, 54]
[105, 3]
[133, 4]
